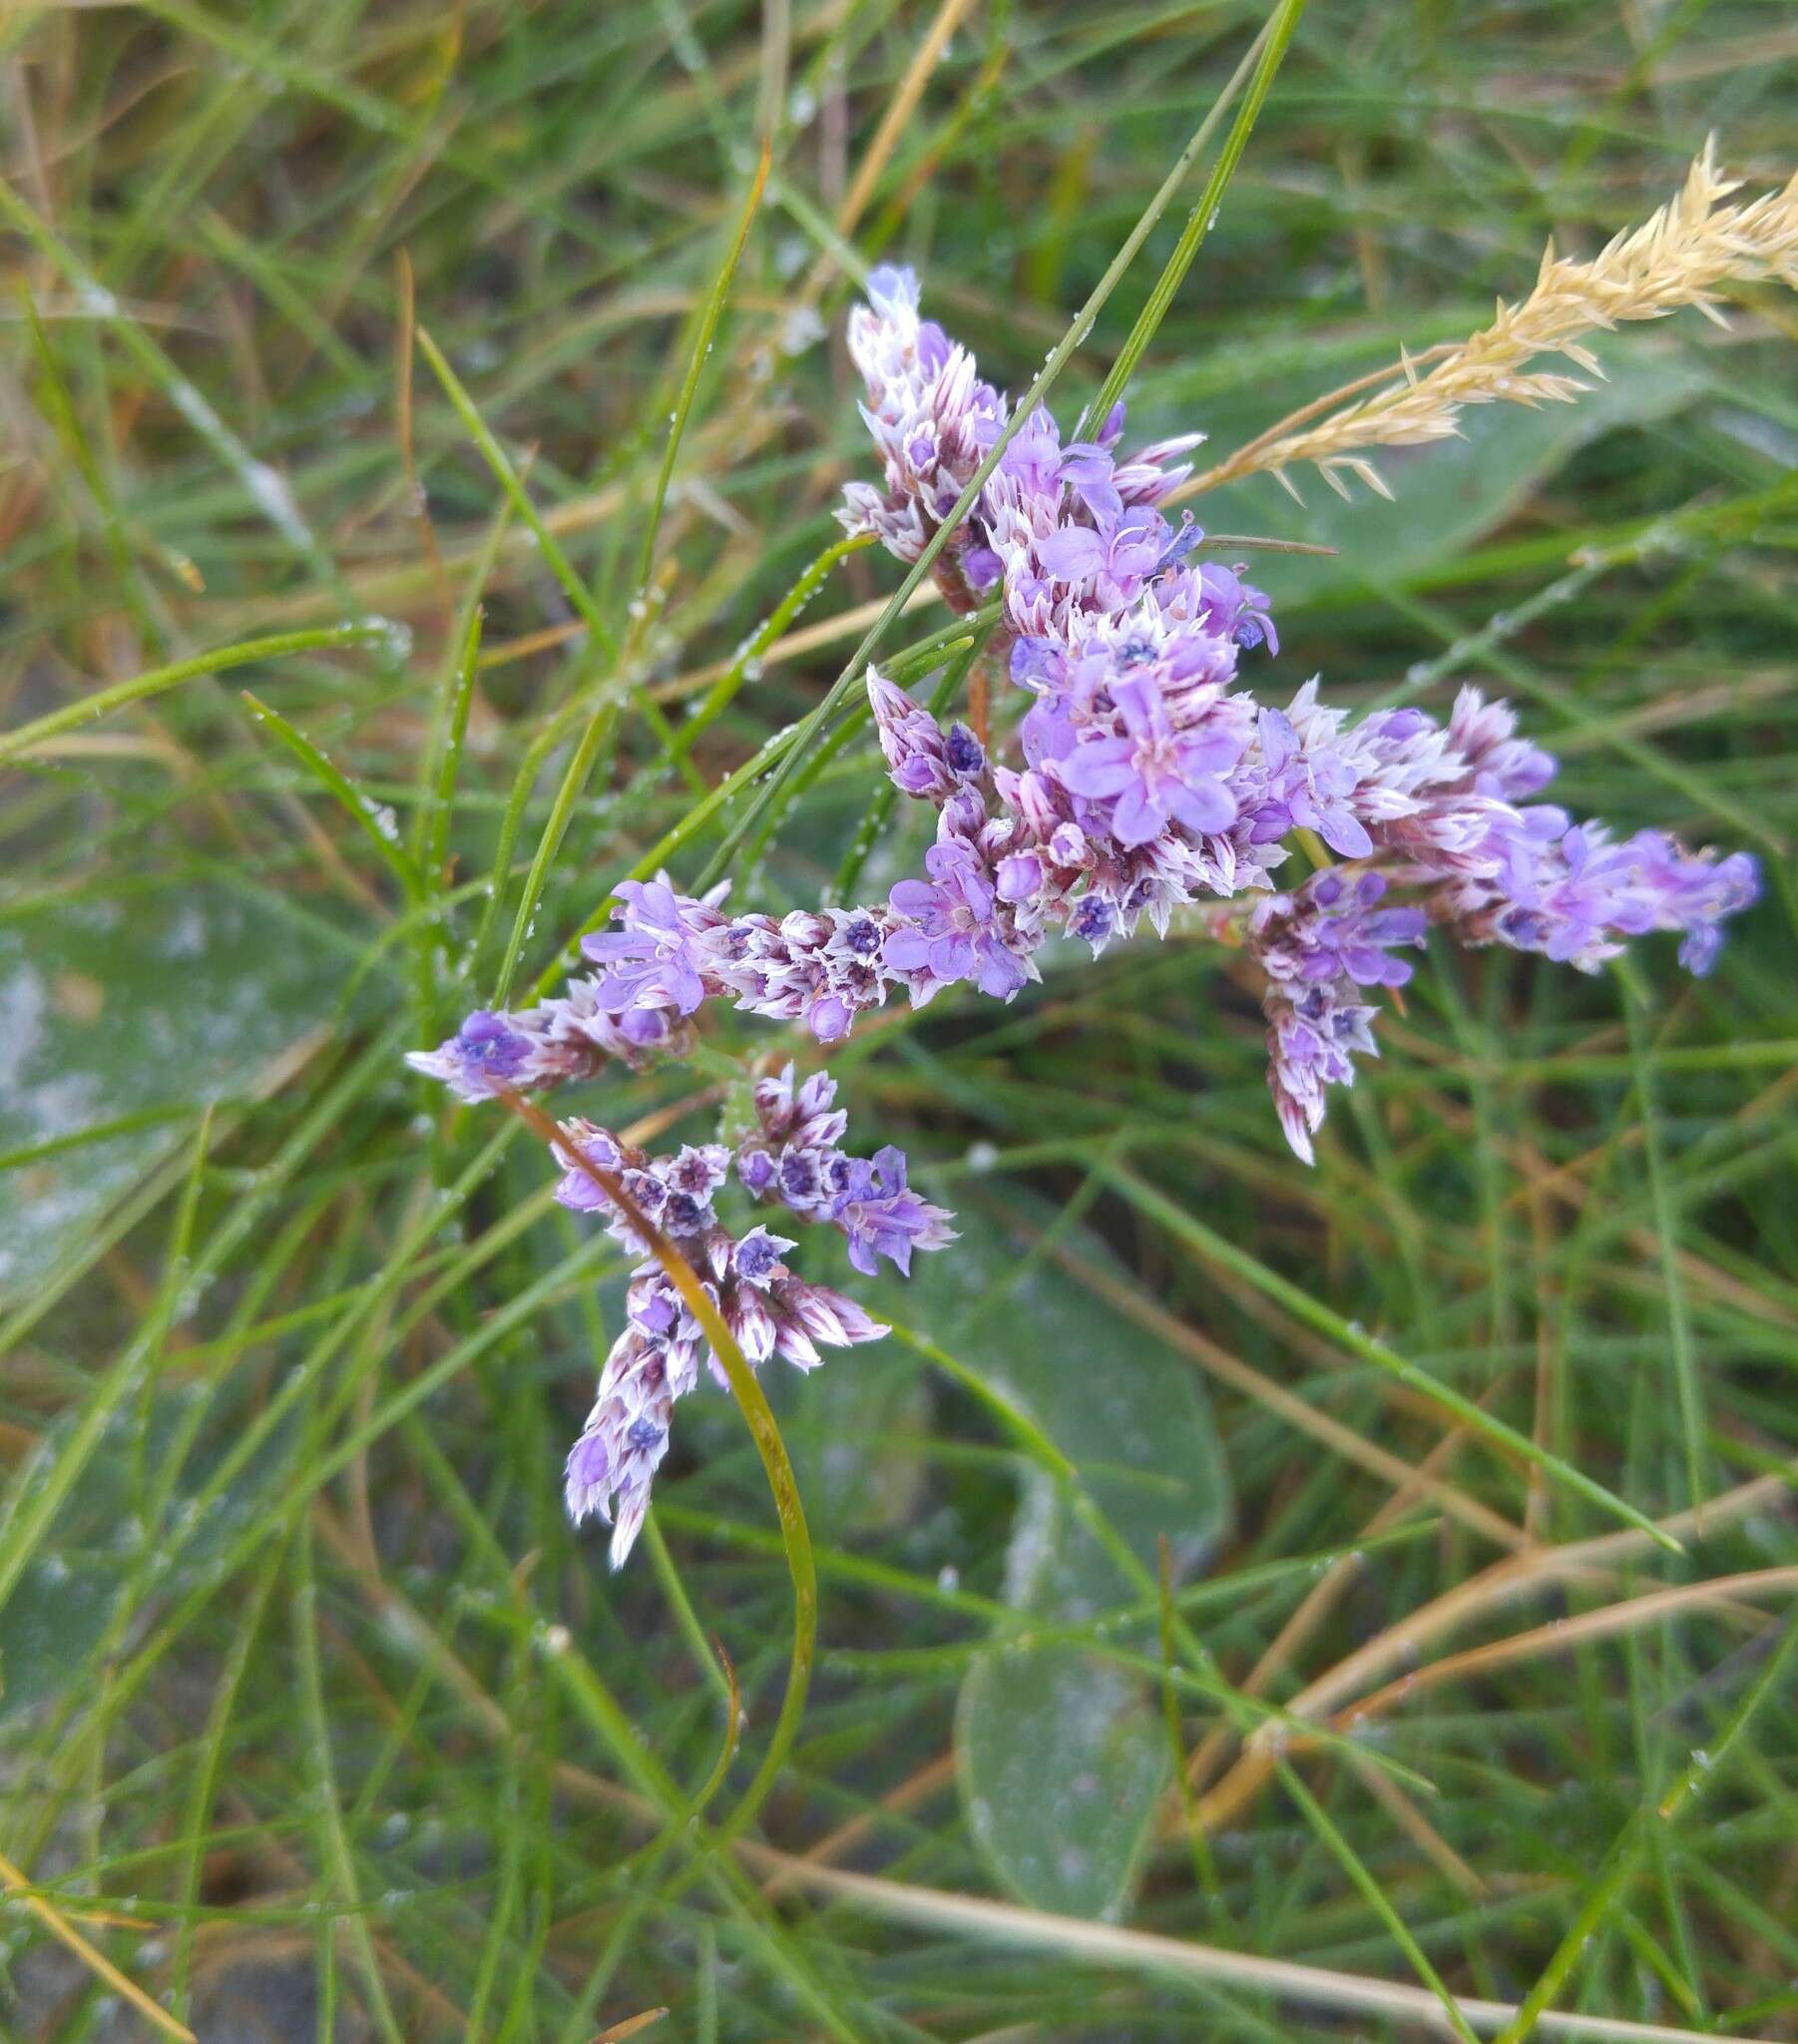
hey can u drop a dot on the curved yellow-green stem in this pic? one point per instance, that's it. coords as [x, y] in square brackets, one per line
[756, 1410]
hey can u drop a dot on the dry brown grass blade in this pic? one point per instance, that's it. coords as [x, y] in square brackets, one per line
[1417, 1828]
[914, 1790]
[900, 107]
[1679, 256]
[1520, 1575]
[1561, 1633]
[91, 1956]
[1111, 1945]
[629, 2026]
[404, 351]
[1319, 1601]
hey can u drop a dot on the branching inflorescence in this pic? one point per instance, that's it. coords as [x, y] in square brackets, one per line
[1146, 780]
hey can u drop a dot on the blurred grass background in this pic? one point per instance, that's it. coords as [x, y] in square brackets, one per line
[317, 1720]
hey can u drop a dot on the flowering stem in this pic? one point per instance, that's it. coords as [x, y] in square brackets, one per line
[764, 1431]
[881, 807]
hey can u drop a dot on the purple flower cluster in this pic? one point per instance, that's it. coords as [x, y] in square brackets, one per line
[1144, 780]
[573, 1036]
[1149, 779]
[932, 421]
[1447, 809]
[792, 1154]
[1318, 948]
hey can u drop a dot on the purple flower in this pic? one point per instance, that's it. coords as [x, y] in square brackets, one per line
[915, 750]
[1308, 787]
[1124, 550]
[931, 418]
[1088, 470]
[671, 1193]
[1154, 472]
[1148, 779]
[822, 969]
[1318, 948]
[488, 1053]
[951, 933]
[769, 1310]
[613, 1464]
[1093, 920]
[1234, 609]
[1484, 734]
[757, 1256]
[881, 1218]
[579, 1190]
[1691, 893]
[1038, 663]
[794, 1156]
[1314, 1037]
[1347, 936]
[806, 1314]
[805, 1114]
[799, 1179]
[1019, 877]
[1156, 775]
[1565, 890]
[966, 755]
[658, 957]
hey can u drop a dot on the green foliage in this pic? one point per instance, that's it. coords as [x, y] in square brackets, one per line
[1063, 1761]
[1062, 1756]
[317, 1719]
[124, 1014]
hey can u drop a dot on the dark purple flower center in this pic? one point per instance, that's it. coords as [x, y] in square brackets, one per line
[964, 751]
[757, 1255]
[486, 1041]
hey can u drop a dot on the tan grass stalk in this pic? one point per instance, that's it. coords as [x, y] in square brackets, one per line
[1561, 1633]
[1504, 1582]
[1678, 258]
[95, 1960]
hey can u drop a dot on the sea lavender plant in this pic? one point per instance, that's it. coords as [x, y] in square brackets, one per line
[1147, 779]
